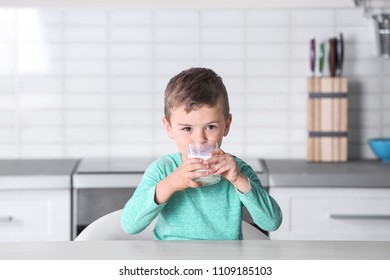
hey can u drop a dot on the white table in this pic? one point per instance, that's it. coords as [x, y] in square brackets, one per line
[197, 250]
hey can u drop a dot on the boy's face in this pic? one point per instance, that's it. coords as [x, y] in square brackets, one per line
[203, 123]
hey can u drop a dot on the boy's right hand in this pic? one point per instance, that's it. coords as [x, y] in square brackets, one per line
[182, 178]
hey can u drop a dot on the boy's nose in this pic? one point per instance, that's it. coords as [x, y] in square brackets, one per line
[200, 137]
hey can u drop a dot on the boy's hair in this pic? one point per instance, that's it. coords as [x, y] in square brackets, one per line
[194, 88]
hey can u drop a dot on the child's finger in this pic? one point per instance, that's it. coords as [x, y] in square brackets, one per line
[217, 152]
[194, 160]
[193, 184]
[200, 173]
[213, 160]
[219, 168]
[198, 166]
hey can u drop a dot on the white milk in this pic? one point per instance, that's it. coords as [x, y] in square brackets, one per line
[208, 180]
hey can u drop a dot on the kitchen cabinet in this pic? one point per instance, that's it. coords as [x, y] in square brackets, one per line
[35, 200]
[35, 215]
[333, 213]
[348, 201]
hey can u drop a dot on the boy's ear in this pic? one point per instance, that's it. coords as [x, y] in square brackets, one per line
[168, 127]
[227, 125]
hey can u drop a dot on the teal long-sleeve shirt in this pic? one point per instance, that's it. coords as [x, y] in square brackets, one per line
[211, 212]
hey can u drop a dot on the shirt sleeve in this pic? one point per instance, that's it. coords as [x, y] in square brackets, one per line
[142, 209]
[263, 209]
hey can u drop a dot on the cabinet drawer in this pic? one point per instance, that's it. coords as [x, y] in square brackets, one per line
[34, 215]
[334, 214]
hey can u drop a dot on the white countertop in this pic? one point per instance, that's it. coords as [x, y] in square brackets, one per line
[32, 174]
[354, 173]
[110, 172]
[197, 250]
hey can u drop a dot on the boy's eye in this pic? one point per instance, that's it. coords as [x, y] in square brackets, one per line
[211, 127]
[187, 129]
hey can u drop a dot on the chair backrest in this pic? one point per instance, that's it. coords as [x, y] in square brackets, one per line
[250, 232]
[109, 227]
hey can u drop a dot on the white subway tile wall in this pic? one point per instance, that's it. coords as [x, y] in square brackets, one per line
[80, 82]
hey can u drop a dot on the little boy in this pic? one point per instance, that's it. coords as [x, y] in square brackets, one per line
[196, 109]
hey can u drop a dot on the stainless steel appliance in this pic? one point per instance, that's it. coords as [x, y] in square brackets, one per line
[101, 186]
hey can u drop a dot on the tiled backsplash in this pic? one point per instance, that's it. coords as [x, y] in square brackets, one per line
[89, 82]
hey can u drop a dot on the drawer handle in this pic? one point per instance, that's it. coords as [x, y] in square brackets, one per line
[359, 216]
[5, 218]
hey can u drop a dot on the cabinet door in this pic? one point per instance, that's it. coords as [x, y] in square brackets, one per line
[333, 213]
[38, 215]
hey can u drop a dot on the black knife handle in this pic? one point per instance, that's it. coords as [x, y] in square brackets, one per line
[332, 57]
[340, 55]
[313, 56]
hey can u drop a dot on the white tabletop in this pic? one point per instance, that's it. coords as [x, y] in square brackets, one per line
[197, 250]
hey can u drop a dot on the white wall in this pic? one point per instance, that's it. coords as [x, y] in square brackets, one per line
[78, 82]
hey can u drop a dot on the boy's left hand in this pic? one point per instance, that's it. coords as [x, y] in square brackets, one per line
[223, 164]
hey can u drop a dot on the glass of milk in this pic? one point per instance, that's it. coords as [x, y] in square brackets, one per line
[203, 150]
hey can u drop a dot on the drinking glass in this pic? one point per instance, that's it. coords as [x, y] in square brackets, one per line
[203, 150]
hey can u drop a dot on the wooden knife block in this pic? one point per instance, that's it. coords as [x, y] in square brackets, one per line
[327, 119]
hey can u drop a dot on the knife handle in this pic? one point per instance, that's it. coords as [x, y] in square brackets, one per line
[321, 56]
[332, 57]
[313, 56]
[340, 55]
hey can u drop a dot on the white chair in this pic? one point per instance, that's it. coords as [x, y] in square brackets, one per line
[109, 227]
[250, 232]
